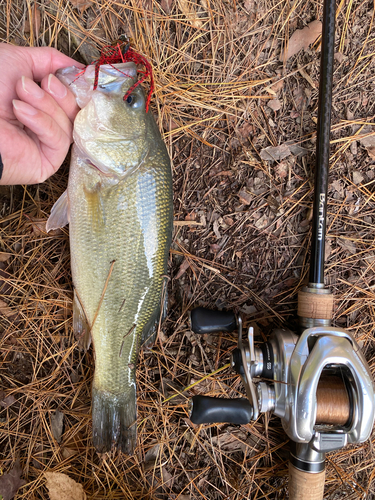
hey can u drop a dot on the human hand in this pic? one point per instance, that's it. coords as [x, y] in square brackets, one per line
[36, 122]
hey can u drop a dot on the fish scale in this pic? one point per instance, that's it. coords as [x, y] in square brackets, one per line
[120, 213]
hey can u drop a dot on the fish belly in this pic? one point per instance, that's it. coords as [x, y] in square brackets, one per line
[120, 233]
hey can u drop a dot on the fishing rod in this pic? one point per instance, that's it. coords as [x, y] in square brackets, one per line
[318, 382]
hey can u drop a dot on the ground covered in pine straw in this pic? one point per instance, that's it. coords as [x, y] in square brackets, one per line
[225, 91]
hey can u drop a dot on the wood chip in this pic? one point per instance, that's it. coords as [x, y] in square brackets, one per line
[215, 227]
[182, 223]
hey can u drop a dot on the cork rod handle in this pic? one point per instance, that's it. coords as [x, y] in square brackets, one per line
[305, 485]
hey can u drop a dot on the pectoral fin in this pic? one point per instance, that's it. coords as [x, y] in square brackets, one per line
[59, 214]
[81, 327]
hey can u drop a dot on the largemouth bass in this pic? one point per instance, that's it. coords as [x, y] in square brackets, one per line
[119, 207]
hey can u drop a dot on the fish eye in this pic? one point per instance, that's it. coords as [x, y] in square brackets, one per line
[134, 101]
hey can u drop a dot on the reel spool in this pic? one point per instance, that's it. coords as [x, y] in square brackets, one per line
[319, 384]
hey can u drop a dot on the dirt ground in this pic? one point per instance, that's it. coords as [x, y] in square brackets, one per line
[225, 91]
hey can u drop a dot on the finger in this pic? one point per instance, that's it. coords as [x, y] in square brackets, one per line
[46, 60]
[20, 156]
[54, 142]
[63, 96]
[31, 93]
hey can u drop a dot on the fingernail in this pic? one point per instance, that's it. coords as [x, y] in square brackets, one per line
[55, 87]
[24, 108]
[32, 88]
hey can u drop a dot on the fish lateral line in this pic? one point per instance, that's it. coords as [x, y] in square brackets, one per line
[126, 335]
[103, 293]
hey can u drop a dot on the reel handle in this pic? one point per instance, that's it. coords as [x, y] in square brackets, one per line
[207, 410]
[204, 320]
[305, 485]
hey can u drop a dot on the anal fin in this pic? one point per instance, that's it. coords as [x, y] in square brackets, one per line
[81, 327]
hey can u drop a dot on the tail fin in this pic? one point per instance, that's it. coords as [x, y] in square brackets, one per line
[114, 421]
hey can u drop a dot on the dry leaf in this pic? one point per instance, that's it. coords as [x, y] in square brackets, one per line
[245, 130]
[152, 454]
[62, 487]
[347, 245]
[81, 5]
[187, 8]
[297, 150]
[57, 424]
[228, 221]
[327, 249]
[183, 268]
[277, 153]
[11, 482]
[5, 256]
[191, 216]
[166, 5]
[39, 228]
[353, 148]
[167, 477]
[274, 104]
[245, 197]
[5, 310]
[249, 6]
[231, 442]
[282, 169]
[340, 57]
[5, 286]
[169, 124]
[248, 309]
[215, 248]
[369, 142]
[34, 22]
[263, 222]
[68, 453]
[357, 177]
[277, 85]
[5, 402]
[301, 39]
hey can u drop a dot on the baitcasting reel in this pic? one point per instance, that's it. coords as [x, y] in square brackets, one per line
[319, 384]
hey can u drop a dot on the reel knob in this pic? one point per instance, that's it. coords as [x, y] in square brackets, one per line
[204, 320]
[206, 410]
